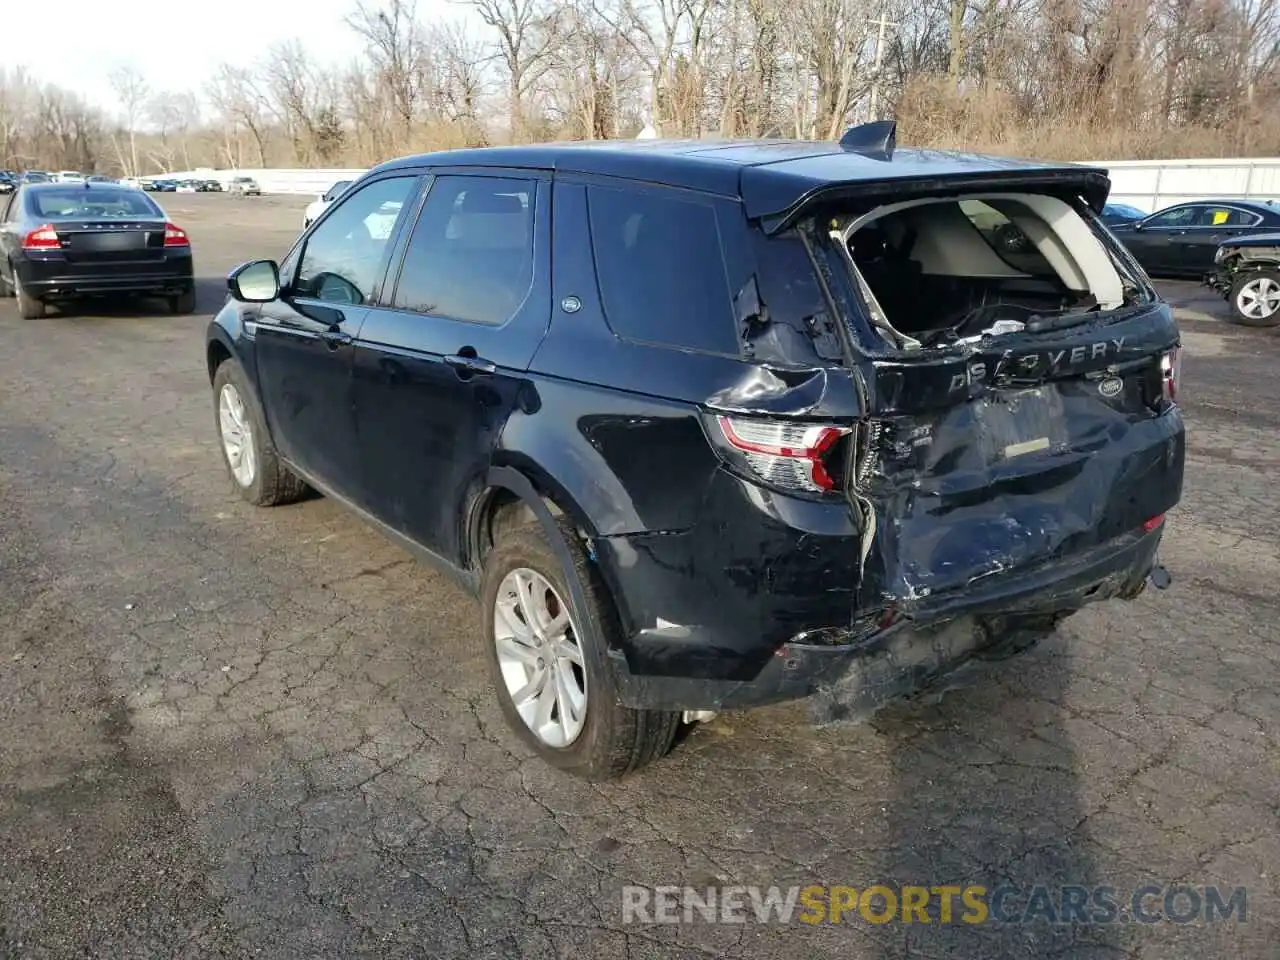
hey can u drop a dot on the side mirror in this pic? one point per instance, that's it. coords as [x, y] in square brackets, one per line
[257, 281]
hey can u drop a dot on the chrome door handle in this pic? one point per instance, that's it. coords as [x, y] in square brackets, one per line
[471, 366]
[336, 338]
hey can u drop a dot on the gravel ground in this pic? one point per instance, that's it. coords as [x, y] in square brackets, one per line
[233, 732]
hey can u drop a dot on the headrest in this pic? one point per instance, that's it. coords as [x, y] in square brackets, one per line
[483, 202]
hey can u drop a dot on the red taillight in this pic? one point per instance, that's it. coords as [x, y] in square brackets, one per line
[42, 238]
[787, 455]
[175, 236]
[1153, 523]
[1170, 370]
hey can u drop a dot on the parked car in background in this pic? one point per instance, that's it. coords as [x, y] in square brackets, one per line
[883, 446]
[1182, 240]
[1247, 273]
[65, 241]
[1114, 213]
[321, 203]
[36, 176]
[163, 186]
[244, 187]
[98, 178]
[8, 182]
[132, 182]
[212, 186]
[188, 186]
[68, 176]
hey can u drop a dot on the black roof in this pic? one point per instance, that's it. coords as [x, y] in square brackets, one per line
[770, 176]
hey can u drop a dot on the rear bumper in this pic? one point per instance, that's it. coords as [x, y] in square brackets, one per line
[766, 598]
[895, 661]
[53, 279]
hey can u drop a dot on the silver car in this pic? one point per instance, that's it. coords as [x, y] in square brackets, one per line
[245, 187]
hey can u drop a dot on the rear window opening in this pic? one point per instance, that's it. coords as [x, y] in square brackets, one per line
[934, 273]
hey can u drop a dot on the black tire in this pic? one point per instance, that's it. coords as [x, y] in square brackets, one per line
[615, 740]
[29, 308]
[1239, 285]
[184, 303]
[273, 483]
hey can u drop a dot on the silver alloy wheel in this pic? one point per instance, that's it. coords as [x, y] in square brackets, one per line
[1259, 299]
[237, 435]
[539, 657]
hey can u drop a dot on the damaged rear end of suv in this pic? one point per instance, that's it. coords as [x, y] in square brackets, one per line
[945, 447]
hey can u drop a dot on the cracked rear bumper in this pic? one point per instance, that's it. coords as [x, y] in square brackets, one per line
[936, 638]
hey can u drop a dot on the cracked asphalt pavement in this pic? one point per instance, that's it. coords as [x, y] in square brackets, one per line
[233, 732]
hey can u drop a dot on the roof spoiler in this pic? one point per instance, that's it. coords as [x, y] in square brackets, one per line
[875, 140]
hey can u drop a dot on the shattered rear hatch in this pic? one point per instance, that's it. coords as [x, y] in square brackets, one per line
[1029, 449]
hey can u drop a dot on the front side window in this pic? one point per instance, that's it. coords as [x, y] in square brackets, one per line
[661, 269]
[343, 258]
[471, 253]
[1178, 217]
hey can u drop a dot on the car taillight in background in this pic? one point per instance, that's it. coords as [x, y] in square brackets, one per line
[42, 238]
[175, 236]
[1170, 371]
[793, 457]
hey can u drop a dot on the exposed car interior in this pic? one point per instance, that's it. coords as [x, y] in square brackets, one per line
[933, 272]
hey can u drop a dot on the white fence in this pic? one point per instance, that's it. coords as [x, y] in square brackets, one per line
[1146, 184]
[1153, 184]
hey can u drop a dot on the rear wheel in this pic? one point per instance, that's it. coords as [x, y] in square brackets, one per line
[554, 684]
[247, 450]
[183, 303]
[1255, 298]
[29, 308]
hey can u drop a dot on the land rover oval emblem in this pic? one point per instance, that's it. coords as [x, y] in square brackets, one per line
[570, 304]
[1111, 387]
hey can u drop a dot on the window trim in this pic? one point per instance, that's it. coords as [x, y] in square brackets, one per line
[387, 301]
[299, 250]
[1257, 218]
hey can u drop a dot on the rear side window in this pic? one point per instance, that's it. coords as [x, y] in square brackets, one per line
[471, 253]
[74, 203]
[661, 270]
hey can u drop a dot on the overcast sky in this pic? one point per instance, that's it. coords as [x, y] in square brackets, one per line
[178, 44]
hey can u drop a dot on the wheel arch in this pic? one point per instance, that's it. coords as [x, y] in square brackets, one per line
[511, 495]
[218, 350]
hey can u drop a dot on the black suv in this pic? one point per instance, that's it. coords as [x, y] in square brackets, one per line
[708, 425]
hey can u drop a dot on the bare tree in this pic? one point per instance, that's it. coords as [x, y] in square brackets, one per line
[395, 47]
[131, 91]
[527, 33]
[236, 97]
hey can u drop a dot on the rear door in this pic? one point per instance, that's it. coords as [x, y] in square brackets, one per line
[439, 368]
[1194, 250]
[303, 340]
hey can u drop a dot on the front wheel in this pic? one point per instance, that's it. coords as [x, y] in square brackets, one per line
[1255, 298]
[247, 451]
[549, 664]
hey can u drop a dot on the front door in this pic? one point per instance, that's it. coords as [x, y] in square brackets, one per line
[1155, 242]
[303, 339]
[439, 370]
